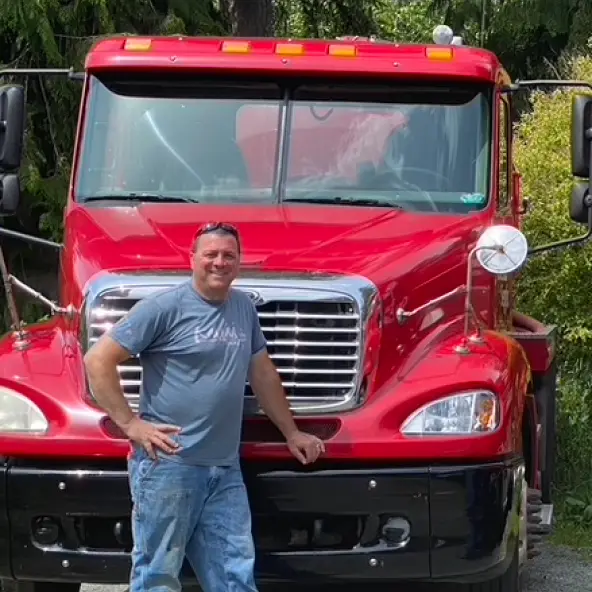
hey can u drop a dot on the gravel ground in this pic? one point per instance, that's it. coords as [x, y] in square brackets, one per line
[557, 569]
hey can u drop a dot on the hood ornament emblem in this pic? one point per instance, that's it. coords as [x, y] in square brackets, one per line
[254, 296]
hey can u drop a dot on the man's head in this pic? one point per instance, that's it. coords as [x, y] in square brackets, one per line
[215, 258]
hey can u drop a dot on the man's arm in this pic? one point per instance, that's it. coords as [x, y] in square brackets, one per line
[101, 363]
[267, 387]
[130, 336]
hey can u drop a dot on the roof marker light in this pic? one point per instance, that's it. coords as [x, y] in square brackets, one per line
[137, 44]
[442, 54]
[289, 49]
[343, 51]
[236, 47]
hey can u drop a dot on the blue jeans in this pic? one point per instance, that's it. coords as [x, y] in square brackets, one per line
[197, 512]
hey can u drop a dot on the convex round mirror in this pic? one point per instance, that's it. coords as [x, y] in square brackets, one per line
[502, 250]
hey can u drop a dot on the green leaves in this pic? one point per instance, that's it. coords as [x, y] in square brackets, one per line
[528, 35]
[54, 33]
[556, 288]
[396, 20]
[579, 510]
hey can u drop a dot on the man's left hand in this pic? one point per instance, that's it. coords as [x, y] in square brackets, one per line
[305, 447]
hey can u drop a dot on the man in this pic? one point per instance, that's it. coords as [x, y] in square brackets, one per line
[198, 343]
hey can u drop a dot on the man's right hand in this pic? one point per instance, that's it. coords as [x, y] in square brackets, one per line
[101, 364]
[151, 435]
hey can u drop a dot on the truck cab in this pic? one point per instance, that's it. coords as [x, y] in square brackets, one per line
[379, 210]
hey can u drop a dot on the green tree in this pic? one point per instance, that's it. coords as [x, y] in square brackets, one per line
[529, 36]
[555, 288]
[249, 18]
[397, 20]
[51, 34]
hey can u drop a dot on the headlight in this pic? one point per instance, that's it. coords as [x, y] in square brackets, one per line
[19, 415]
[469, 413]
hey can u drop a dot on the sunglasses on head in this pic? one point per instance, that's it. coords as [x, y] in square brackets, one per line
[217, 226]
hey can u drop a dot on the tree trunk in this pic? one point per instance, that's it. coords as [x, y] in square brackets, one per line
[249, 18]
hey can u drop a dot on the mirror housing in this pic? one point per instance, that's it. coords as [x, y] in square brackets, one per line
[580, 202]
[12, 126]
[581, 135]
[10, 193]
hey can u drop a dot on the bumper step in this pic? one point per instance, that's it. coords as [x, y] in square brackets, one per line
[540, 522]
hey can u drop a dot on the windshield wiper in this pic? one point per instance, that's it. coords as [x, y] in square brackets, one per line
[349, 201]
[147, 197]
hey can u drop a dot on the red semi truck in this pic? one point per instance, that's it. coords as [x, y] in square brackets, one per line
[374, 188]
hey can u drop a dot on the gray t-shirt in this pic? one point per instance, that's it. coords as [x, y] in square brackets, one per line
[195, 357]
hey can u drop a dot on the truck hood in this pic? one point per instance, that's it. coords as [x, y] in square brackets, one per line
[380, 244]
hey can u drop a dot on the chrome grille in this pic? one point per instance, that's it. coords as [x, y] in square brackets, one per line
[314, 336]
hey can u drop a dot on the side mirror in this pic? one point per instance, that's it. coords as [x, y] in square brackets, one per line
[581, 135]
[10, 192]
[12, 126]
[502, 250]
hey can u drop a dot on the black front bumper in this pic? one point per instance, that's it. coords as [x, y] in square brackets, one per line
[71, 523]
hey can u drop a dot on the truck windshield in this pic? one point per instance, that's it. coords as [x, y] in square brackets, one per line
[420, 147]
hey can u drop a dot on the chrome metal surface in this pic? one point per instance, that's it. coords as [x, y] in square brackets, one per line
[547, 515]
[314, 325]
[68, 311]
[523, 519]
[470, 314]
[10, 299]
[404, 315]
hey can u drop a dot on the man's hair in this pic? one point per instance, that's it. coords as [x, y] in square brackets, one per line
[219, 228]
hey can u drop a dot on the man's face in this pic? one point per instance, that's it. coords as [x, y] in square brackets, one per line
[215, 262]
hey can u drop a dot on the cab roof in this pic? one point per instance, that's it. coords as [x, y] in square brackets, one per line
[292, 56]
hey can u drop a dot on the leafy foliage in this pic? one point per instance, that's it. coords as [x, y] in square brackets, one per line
[579, 510]
[396, 20]
[556, 287]
[529, 36]
[408, 22]
[327, 18]
[55, 34]
[543, 156]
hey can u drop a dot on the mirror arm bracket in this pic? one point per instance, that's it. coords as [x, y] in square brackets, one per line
[568, 242]
[521, 85]
[404, 315]
[463, 347]
[30, 239]
[68, 311]
[17, 324]
[9, 282]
